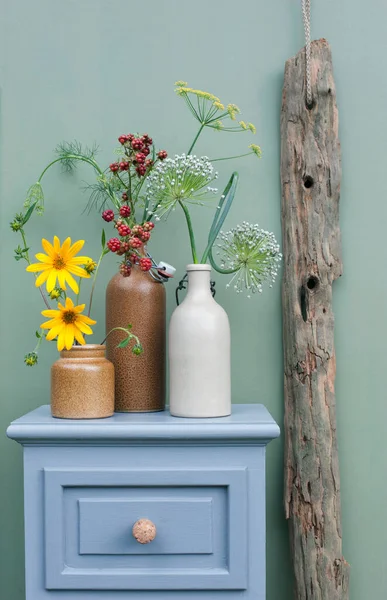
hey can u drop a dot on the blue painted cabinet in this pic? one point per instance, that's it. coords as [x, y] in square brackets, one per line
[201, 482]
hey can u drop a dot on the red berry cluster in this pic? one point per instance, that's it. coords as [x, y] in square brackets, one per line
[124, 230]
[137, 148]
[108, 215]
[145, 264]
[114, 244]
[125, 269]
[125, 210]
[148, 226]
[135, 242]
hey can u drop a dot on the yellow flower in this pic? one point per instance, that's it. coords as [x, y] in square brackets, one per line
[67, 323]
[182, 90]
[252, 127]
[219, 105]
[218, 125]
[31, 359]
[60, 263]
[256, 149]
[55, 293]
[90, 266]
[233, 110]
[243, 125]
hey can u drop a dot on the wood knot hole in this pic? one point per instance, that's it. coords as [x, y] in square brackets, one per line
[310, 105]
[312, 283]
[308, 182]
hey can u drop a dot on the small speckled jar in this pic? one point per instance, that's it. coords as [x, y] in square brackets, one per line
[82, 384]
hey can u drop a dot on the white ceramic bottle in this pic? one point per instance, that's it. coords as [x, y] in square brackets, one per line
[199, 352]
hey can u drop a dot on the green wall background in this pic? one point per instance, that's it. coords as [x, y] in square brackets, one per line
[93, 69]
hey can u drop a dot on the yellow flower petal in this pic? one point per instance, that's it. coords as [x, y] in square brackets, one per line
[80, 308]
[44, 258]
[37, 267]
[69, 303]
[42, 278]
[51, 313]
[75, 248]
[48, 248]
[84, 328]
[65, 248]
[69, 336]
[72, 283]
[86, 320]
[51, 280]
[51, 335]
[56, 244]
[77, 271]
[78, 336]
[80, 260]
[62, 279]
[50, 324]
[61, 340]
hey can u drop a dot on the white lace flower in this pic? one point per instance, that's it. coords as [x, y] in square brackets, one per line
[184, 178]
[252, 253]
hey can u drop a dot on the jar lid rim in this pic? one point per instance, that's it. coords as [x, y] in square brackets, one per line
[198, 267]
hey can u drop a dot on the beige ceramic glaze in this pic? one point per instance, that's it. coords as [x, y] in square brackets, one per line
[199, 352]
[140, 380]
[82, 384]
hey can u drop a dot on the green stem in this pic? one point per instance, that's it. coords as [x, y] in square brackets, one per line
[190, 231]
[128, 333]
[196, 138]
[79, 289]
[73, 157]
[219, 269]
[95, 280]
[42, 336]
[25, 246]
[230, 157]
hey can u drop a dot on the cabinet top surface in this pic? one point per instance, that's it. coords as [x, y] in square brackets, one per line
[249, 423]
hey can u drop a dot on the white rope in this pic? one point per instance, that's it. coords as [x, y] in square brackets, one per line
[306, 19]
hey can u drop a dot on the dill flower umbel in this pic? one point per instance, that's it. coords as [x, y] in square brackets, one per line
[67, 323]
[183, 179]
[209, 110]
[60, 263]
[251, 254]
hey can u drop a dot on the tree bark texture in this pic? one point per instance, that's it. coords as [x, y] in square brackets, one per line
[310, 177]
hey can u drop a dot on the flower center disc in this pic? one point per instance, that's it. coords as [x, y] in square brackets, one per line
[58, 262]
[69, 316]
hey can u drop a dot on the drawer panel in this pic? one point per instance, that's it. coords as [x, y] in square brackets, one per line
[200, 516]
[184, 525]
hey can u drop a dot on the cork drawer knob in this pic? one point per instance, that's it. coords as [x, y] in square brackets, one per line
[144, 531]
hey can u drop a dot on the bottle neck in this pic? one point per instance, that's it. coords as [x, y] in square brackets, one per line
[199, 284]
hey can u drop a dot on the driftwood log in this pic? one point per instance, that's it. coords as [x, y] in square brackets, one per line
[310, 177]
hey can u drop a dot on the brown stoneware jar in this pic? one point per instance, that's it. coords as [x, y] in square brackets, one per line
[82, 384]
[137, 300]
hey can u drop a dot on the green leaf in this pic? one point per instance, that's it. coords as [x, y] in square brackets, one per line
[103, 239]
[38, 335]
[29, 212]
[124, 343]
[129, 326]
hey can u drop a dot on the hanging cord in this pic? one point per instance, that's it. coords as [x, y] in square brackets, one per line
[306, 19]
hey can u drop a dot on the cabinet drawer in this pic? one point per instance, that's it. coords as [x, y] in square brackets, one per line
[200, 516]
